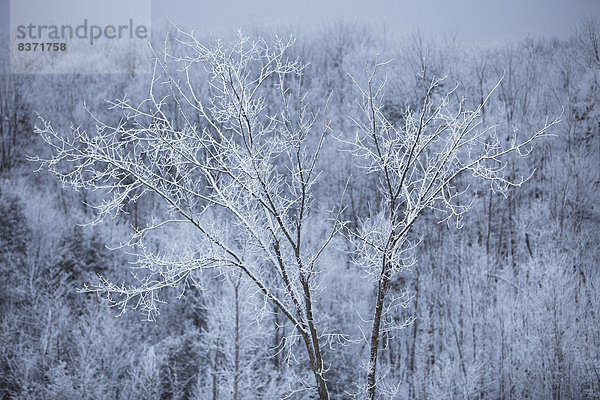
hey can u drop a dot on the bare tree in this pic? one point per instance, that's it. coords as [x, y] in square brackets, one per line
[587, 33]
[418, 163]
[15, 125]
[237, 165]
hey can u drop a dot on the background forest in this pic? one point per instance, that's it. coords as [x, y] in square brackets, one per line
[500, 302]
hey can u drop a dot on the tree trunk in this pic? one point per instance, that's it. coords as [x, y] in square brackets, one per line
[276, 340]
[236, 361]
[374, 346]
[215, 387]
[411, 362]
[312, 343]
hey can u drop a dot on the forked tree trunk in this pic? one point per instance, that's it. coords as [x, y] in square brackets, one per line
[312, 345]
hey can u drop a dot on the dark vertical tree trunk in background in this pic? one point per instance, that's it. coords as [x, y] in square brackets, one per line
[236, 360]
[415, 329]
[276, 340]
[215, 378]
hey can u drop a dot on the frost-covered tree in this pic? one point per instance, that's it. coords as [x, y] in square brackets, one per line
[233, 155]
[418, 163]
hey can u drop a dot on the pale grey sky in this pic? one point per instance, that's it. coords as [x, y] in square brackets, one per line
[473, 19]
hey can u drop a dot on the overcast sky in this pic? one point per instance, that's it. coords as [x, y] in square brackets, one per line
[473, 20]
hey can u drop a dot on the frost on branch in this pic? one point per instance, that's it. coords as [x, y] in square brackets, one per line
[227, 141]
[417, 163]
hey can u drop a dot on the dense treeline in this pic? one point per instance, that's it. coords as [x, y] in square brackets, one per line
[499, 302]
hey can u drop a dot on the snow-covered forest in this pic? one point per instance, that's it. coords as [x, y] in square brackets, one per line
[336, 214]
